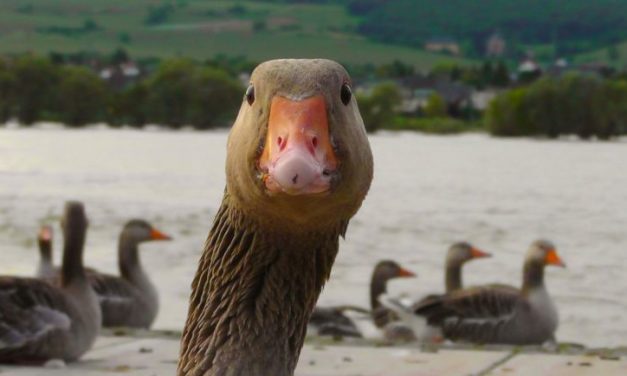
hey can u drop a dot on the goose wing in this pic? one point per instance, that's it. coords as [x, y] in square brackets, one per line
[113, 292]
[31, 311]
[476, 314]
[332, 321]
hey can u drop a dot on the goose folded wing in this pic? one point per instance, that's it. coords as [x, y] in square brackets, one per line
[113, 292]
[476, 314]
[30, 310]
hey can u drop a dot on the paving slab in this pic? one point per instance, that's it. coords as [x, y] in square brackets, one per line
[369, 361]
[561, 365]
[110, 356]
[156, 356]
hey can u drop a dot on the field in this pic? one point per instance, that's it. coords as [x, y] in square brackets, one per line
[197, 29]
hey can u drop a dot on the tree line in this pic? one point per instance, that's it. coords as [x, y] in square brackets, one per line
[574, 104]
[178, 92]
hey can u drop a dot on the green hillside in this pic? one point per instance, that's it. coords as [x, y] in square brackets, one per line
[615, 55]
[197, 29]
[571, 27]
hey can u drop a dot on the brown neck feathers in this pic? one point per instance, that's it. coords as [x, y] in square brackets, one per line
[252, 296]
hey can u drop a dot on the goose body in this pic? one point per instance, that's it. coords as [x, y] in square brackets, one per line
[130, 299]
[333, 321]
[39, 321]
[456, 256]
[497, 313]
[298, 167]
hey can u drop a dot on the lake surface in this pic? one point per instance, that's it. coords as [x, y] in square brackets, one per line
[428, 192]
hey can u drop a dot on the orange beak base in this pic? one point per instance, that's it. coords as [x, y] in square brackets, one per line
[552, 258]
[477, 253]
[405, 273]
[298, 156]
[158, 235]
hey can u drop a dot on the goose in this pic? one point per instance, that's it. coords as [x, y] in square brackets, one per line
[298, 167]
[498, 313]
[38, 321]
[333, 321]
[457, 255]
[383, 272]
[129, 300]
[46, 268]
[406, 326]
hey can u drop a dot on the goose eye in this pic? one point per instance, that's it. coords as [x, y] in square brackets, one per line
[346, 94]
[250, 94]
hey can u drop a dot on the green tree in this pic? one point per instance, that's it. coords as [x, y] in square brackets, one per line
[380, 107]
[500, 78]
[34, 93]
[8, 85]
[395, 69]
[573, 104]
[181, 92]
[119, 56]
[613, 54]
[171, 89]
[435, 106]
[82, 97]
[215, 98]
[129, 106]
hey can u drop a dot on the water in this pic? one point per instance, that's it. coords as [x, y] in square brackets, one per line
[428, 192]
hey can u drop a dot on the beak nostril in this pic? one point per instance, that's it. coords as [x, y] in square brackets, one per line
[281, 142]
[314, 142]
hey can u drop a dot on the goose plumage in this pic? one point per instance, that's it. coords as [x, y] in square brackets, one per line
[128, 300]
[46, 268]
[39, 321]
[298, 167]
[333, 320]
[497, 313]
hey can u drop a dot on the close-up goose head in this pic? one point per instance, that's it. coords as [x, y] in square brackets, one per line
[298, 139]
[298, 167]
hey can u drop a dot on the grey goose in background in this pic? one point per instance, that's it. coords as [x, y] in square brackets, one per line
[334, 322]
[457, 255]
[46, 268]
[128, 300]
[383, 272]
[500, 314]
[39, 321]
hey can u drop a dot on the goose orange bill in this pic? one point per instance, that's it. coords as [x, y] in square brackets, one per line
[477, 253]
[552, 258]
[298, 156]
[405, 273]
[158, 235]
